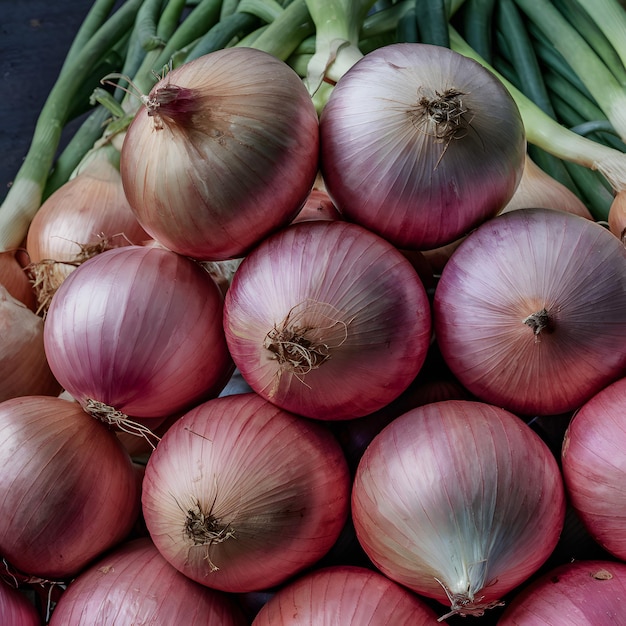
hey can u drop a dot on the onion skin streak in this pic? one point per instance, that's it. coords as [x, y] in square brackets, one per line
[460, 501]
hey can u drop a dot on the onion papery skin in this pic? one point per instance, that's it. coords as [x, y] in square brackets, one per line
[459, 501]
[14, 278]
[233, 156]
[580, 593]
[85, 216]
[24, 368]
[68, 488]
[15, 609]
[423, 190]
[525, 265]
[133, 585]
[345, 291]
[272, 488]
[139, 329]
[594, 467]
[346, 595]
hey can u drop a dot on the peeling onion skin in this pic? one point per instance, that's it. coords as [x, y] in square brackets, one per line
[514, 268]
[459, 501]
[135, 585]
[362, 303]
[68, 488]
[580, 593]
[233, 156]
[138, 328]
[387, 172]
[273, 488]
[594, 466]
[346, 595]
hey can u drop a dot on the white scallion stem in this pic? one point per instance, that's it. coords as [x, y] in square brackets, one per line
[544, 132]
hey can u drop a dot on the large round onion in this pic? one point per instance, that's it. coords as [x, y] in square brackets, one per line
[239, 494]
[138, 331]
[530, 311]
[135, 585]
[327, 320]
[460, 501]
[68, 488]
[581, 593]
[225, 152]
[420, 144]
[345, 595]
[594, 466]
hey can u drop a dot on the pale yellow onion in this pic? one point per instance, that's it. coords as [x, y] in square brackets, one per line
[85, 216]
[24, 368]
[15, 279]
[537, 189]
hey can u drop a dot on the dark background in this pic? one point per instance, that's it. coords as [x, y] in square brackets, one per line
[35, 36]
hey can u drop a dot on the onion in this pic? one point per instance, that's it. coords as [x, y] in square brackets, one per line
[85, 216]
[617, 216]
[24, 369]
[239, 495]
[133, 585]
[582, 593]
[15, 279]
[15, 609]
[420, 144]
[138, 331]
[346, 595]
[224, 153]
[318, 205]
[459, 501]
[68, 488]
[327, 320]
[530, 311]
[594, 466]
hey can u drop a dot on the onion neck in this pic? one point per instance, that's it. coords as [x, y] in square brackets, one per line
[541, 322]
[171, 104]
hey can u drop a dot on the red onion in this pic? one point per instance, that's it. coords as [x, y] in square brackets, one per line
[346, 595]
[239, 495]
[459, 501]
[224, 152]
[327, 320]
[24, 369]
[530, 311]
[582, 593]
[594, 466]
[420, 144]
[617, 216]
[68, 488]
[14, 278]
[138, 331]
[15, 608]
[134, 585]
[85, 216]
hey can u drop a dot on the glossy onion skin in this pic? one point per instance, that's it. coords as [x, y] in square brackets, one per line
[139, 329]
[133, 585]
[373, 312]
[279, 483]
[233, 162]
[459, 492]
[580, 593]
[594, 466]
[68, 487]
[511, 267]
[395, 178]
[346, 595]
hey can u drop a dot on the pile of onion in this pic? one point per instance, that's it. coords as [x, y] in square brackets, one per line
[240, 495]
[594, 466]
[134, 584]
[529, 311]
[420, 144]
[224, 152]
[459, 501]
[327, 320]
[137, 331]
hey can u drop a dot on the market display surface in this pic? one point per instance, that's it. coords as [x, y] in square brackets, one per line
[313, 312]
